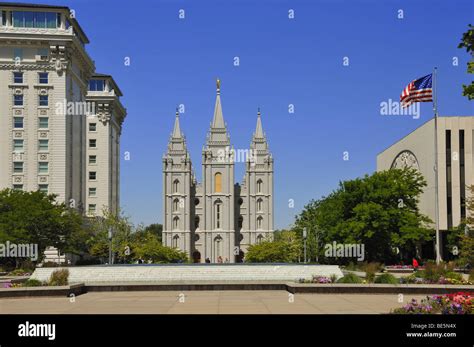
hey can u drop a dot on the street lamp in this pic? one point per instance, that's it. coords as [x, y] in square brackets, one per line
[305, 234]
[110, 245]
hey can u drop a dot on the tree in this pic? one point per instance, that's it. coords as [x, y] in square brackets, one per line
[121, 229]
[156, 229]
[286, 248]
[36, 218]
[379, 211]
[148, 247]
[467, 42]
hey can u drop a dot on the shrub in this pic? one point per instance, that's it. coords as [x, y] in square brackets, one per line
[59, 278]
[19, 272]
[454, 275]
[387, 278]
[350, 278]
[370, 270]
[333, 278]
[50, 264]
[91, 261]
[471, 275]
[32, 283]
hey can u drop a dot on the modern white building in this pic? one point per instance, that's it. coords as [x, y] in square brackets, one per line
[61, 122]
[217, 219]
[455, 163]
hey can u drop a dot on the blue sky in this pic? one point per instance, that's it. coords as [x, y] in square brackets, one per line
[282, 61]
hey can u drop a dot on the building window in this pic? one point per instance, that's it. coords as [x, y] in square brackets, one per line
[92, 191]
[92, 175]
[18, 167]
[43, 145]
[462, 175]
[218, 183]
[17, 54]
[175, 242]
[259, 205]
[92, 126]
[175, 205]
[92, 143]
[218, 214]
[218, 249]
[92, 208]
[176, 186]
[196, 222]
[449, 191]
[27, 19]
[18, 145]
[43, 78]
[43, 122]
[240, 222]
[18, 77]
[3, 15]
[259, 186]
[259, 223]
[43, 188]
[175, 223]
[43, 100]
[92, 159]
[96, 85]
[18, 187]
[259, 239]
[43, 167]
[18, 100]
[18, 122]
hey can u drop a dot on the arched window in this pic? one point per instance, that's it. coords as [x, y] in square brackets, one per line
[259, 186]
[175, 222]
[175, 242]
[259, 205]
[218, 214]
[218, 183]
[259, 239]
[175, 205]
[259, 222]
[218, 246]
[240, 222]
[176, 186]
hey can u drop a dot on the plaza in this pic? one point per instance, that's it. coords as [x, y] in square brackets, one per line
[206, 302]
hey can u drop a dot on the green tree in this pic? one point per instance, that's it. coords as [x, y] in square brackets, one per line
[34, 217]
[148, 247]
[379, 211]
[467, 42]
[121, 230]
[286, 248]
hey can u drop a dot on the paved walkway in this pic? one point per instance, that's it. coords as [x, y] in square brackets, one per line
[206, 302]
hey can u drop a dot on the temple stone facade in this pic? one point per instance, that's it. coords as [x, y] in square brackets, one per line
[216, 220]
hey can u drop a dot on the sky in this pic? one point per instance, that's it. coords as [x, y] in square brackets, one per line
[300, 61]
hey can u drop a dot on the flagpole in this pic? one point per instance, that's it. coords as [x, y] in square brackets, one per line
[435, 109]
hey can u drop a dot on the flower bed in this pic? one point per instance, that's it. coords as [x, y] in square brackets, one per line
[457, 303]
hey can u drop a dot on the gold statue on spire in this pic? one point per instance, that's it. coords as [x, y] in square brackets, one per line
[218, 83]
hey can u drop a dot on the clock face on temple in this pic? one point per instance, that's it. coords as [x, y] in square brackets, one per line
[405, 159]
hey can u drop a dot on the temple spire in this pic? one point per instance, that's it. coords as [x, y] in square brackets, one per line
[218, 120]
[177, 129]
[259, 128]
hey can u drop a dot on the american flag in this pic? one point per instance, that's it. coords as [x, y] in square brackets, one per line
[419, 90]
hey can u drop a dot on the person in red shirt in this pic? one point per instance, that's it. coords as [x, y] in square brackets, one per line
[415, 264]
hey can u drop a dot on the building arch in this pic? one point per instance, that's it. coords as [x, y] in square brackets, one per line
[176, 186]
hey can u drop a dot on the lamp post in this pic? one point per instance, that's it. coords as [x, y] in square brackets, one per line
[110, 245]
[305, 234]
